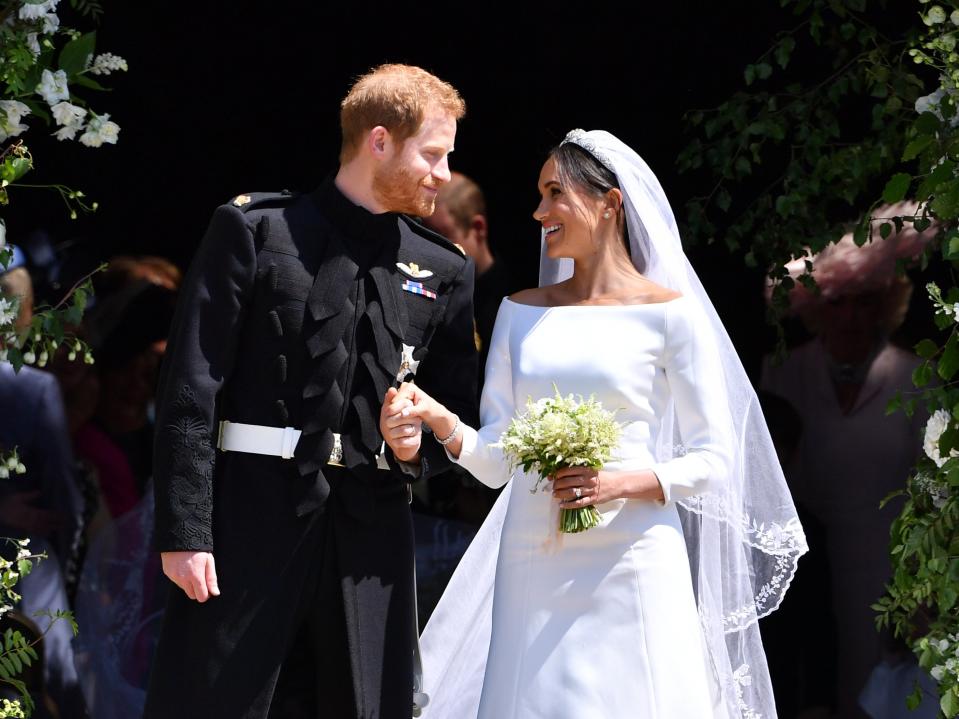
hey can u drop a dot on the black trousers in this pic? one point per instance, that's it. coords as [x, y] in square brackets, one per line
[315, 678]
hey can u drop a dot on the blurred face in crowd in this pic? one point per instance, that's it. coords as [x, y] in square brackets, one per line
[409, 175]
[444, 223]
[126, 391]
[852, 319]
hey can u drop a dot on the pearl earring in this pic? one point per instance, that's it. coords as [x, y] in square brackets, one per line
[607, 214]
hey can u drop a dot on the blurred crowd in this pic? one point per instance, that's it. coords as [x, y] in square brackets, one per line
[85, 433]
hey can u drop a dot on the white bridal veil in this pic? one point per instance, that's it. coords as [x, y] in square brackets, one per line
[744, 540]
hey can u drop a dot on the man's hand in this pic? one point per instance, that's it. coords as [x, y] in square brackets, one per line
[193, 572]
[402, 433]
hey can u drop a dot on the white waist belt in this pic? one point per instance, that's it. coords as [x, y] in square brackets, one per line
[276, 442]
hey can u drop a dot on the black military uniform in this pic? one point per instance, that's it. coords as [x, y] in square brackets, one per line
[299, 312]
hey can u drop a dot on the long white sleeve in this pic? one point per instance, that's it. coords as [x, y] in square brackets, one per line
[477, 455]
[698, 389]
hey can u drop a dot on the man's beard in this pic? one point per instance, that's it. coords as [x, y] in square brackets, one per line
[398, 191]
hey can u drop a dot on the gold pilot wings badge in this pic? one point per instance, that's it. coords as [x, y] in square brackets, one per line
[413, 270]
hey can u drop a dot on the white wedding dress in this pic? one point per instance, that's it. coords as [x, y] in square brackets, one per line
[601, 624]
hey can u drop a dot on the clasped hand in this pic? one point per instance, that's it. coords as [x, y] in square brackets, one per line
[401, 429]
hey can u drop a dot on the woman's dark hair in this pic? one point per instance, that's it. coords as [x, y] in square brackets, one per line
[578, 168]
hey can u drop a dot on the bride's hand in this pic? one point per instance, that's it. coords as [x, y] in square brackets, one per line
[422, 406]
[582, 486]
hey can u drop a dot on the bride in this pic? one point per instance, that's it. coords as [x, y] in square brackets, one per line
[651, 614]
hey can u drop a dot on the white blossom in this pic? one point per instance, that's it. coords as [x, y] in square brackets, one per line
[8, 310]
[38, 11]
[935, 426]
[11, 112]
[68, 132]
[100, 129]
[4, 472]
[51, 23]
[12, 462]
[66, 113]
[53, 87]
[954, 18]
[29, 357]
[106, 63]
[942, 645]
[938, 672]
[33, 43]
[936, 15]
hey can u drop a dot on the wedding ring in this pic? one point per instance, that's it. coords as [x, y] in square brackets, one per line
[578, 492]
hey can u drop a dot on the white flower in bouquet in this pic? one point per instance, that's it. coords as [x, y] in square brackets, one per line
[33, 43]
[37, 11]
[558, 432]
[8, 310]
[106, 63]
[11, 111]
[53, 87]
[66, 113]
[935, 426]
[99, 130]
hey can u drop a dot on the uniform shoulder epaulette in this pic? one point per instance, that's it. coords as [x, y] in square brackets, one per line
[426, 233]
[259, 200]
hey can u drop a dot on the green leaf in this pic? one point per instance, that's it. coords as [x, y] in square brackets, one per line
[926, 349]
[949, 703]
[949, 362]
[749, 74]
[723, 200]
[885, 229]
[75, 54]
[950, 248]
[946, 203]
[896, 188]
[914, 148]
[764, 70]
[87, 81]
[784, 51]
[922, 375]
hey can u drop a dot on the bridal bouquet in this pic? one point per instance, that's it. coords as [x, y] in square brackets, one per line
[558, 432]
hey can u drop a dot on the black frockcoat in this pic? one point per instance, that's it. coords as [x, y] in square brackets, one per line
[293, 314]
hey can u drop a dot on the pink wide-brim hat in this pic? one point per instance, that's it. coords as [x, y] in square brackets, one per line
[844, 268]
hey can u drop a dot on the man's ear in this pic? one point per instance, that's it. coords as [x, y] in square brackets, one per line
[380, 143]
[479, 225]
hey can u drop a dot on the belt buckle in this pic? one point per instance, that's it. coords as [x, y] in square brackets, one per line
[336, 453]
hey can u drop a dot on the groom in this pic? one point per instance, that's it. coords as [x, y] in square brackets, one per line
[281, 515]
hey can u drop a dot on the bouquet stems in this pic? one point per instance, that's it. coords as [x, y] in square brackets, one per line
[572, 521]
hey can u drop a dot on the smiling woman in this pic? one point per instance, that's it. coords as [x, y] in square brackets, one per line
[570, 168]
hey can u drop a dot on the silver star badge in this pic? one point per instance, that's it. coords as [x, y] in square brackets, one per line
[408, 365]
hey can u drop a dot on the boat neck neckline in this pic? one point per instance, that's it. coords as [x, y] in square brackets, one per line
[557, 307]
